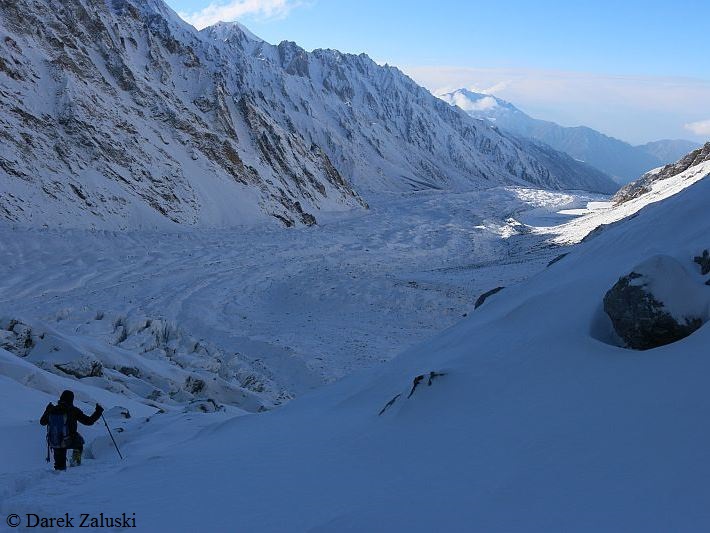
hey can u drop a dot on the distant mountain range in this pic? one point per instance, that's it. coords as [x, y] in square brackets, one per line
[620, 160]
[669, 150]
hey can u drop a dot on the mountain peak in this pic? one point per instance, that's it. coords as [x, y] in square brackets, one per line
[225, 31]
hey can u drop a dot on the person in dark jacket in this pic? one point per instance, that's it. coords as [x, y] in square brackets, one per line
[73, 441]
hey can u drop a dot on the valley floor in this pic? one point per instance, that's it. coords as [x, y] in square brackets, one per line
[322, 302]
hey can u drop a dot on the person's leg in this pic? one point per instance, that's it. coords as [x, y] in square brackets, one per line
[75, 458]
[60, 458]
[77, 446]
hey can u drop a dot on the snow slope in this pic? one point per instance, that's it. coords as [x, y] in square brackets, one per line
[119, 115]
[538, 423]
[598, 215]
[646, 182]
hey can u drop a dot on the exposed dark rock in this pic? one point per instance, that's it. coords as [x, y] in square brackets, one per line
[556, 259]
[194, 385]
[18, 338]
[644, 184]
[483, 297]
[433, 376]
[130, 371]
[639, 318]
[704, 262]
[155, 395]
[415, 384]
[204, 406]
[84, 367]
[253, 383]
[389, 404]
[294, 59]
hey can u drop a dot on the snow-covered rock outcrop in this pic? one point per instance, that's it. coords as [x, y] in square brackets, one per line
[645, 184]
[146, 359]
[651, 188]
[658, 303]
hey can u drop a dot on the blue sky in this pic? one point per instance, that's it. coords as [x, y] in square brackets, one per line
[636, 70]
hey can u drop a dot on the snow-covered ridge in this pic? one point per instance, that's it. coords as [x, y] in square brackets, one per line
[119, 114]
[652, 188]
[646, 182]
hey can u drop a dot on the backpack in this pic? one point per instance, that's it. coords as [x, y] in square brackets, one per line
[57, 430]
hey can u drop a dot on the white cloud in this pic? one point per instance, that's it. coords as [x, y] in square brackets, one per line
[699, 128]
[468, 104]
[235, 9]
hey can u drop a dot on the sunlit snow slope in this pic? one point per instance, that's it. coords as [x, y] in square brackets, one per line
[599, 214]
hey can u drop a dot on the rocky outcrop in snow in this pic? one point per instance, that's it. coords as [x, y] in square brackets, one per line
[483, 297]
[141, 357]
[646, 182]
[658, 303]
[703, 260]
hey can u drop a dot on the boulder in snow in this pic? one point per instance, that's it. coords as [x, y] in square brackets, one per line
[17, 337]
[656, 304]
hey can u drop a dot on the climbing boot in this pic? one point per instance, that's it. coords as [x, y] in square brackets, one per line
[75, 458]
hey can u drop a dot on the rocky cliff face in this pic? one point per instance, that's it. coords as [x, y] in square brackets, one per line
[645, 183]
[117, 114]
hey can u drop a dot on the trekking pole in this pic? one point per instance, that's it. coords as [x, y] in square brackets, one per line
[48, 446]
[111, 435]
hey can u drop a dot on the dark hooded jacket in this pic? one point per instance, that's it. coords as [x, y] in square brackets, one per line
[74, 414]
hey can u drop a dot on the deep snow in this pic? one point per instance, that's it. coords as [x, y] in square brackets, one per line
[539, 423]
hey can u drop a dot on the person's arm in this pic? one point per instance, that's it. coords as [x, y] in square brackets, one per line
[45, 417]
[89, 420]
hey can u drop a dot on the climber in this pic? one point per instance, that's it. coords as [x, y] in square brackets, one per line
[62, 434]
